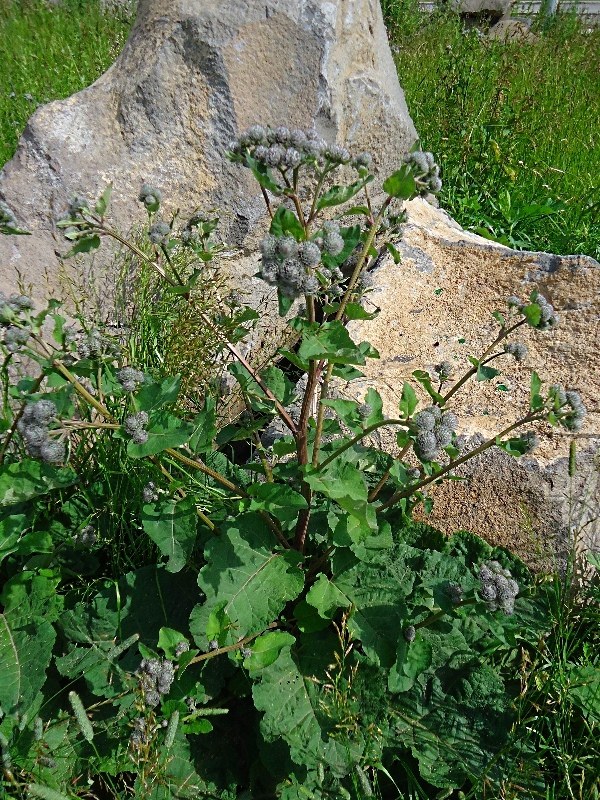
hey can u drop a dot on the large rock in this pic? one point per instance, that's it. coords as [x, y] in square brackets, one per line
[435, 306]
[190, 78]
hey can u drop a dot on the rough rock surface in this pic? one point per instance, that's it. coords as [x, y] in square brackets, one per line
[492, 8]
[190, 78]
[436, 306]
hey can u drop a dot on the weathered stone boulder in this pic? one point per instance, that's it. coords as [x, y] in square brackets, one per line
[190, 78]
[436, 306]
[473, 9]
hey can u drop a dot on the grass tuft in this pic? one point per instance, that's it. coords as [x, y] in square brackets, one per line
[513, 125]
[53, 51]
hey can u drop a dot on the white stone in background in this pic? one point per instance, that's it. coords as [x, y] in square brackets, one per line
[436, 306]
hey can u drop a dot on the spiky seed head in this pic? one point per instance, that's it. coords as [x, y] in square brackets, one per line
[333, 244]
[363, 160]
[517, 350]
[409, 633]
[151, 698]
[445, 369]
[298, 139]
[449, 420]
[426, 446]
[159, 233]
[311, 285]
[488, 592]
[287, 247]
[443, 435]
[44, 411]
[292, 158]
[181, 647]
[309, 254]
[424, 420]
[52, 451]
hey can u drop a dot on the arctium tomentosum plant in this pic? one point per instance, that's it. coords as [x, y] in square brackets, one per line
[197, 583]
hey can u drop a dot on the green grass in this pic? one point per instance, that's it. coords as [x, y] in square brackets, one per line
[49, 52]
[513, 125]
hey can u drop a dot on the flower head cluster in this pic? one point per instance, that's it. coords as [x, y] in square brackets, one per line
[135, 426]
[498, 587]
[11, 308]
[548, 316]
[14, 338]
[435, 430]
[14, 309]
[139, 734]
[34, 428]
[285, 149]
[529, 441]
[181, 647]
[87, 537]
[156, 677]
[287, 264]
[444, 370]
[160, 233]
[330, 239]
[130, 378]
[149, 493]
[517, 350]
[95, 345]
[572, 408]
[150, 197]
[425, 171]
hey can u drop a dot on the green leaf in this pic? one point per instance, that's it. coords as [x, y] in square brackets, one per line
[168, 639]
[533, 314]
[243, 570]
[164, 430]
[103, 201]
[275, 498]
[330, 341]
[343, 482]
[262, 175]
[286, 223]
[486, 373]
[393, 252]
[285, 302]
[535, 399]
[266, 649]
[172, 527]
[584, 689]
[278, 383]
[412, 660]
[424, 378]
[205, 428]
[375, 404]
[408, 401]
[356, 311]
[347, 411]
[291, 701]
[86, 244]
[27, 479]
[338, 195]
[376, 591]
[25, 652]
[326, 597]
[156, 395]
[401, 184]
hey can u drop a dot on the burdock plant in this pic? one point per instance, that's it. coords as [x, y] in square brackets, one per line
[350, 623]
